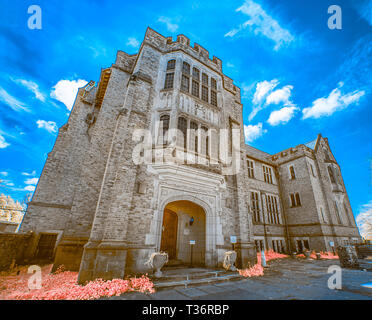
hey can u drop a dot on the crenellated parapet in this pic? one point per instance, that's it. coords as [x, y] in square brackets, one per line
[166, 44]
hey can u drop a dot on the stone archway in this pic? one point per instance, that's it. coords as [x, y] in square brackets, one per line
[184, 220]
[210, 251]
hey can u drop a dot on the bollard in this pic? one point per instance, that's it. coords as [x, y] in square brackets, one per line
[263, 259]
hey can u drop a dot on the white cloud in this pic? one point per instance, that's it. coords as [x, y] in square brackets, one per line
[133, 42]
[252, 132]
[29, 174]
[364, 220]
[12, 102]
[334, 102]
[282, 116]
[32, 181]
[172, 27]
[280, 96]
[265, 95]
[262, 89]
[3, 143]
[50, 126]
[261, 23]
[4, 173]
[29, 188]
[32, 86]
[66, 91]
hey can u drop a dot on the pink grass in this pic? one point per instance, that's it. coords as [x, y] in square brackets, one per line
[62, 285]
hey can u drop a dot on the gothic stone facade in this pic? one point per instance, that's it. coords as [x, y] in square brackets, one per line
[109, 213]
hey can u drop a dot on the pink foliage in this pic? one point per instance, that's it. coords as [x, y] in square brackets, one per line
[324, 255]
[271, 255]
[257, 270]
[62, 285]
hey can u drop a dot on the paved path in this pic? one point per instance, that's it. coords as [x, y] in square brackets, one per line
[288, 279]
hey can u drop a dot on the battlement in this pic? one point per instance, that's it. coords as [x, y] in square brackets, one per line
[182, 43]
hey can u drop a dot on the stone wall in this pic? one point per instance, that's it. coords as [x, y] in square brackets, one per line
[14, 249]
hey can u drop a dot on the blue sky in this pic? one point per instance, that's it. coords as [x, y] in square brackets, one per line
[298, 77]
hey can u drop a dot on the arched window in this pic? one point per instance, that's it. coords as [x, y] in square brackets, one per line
[194, 136]
[182, 131]
[163, 129]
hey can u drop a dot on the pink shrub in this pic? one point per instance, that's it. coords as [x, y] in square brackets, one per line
[62, 286]
[257, 270]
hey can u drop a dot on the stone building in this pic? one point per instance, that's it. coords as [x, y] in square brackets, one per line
[11, 214]
[153, 157]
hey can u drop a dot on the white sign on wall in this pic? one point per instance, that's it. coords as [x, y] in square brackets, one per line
[233, 239]
[192, 241]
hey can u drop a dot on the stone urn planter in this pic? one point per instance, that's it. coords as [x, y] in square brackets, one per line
[229, 260]
[156, 261]
[317, 255]
[307, 254]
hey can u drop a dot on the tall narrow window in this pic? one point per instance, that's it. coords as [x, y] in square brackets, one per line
[195, 88]
[195, 82]
[185, 78]
[163, 129]
[214, 92]
[293, 200]
[205, 95]
[255, 207]
[194, 136]
[331, 175]
[205, 141]
[185, 83]
[276, 210]
[267, 174]
[250, 168]
[298, 200]
[169, 79]
[169, 76]
[182, 128]
[292, 172]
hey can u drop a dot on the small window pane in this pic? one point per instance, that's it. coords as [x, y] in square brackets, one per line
[186, 68]
[214, 98]
[171, 64]
[196, 74]
[205, 79]
[214, 84]
[205, 94]
[169, 81]
[195, 88]
[185, 83]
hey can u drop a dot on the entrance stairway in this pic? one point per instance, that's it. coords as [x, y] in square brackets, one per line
[186, 277]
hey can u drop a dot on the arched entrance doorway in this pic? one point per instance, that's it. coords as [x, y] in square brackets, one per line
[183, 221]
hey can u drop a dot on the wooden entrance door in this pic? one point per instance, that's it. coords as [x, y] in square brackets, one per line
[169, 234]
[46, 246]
